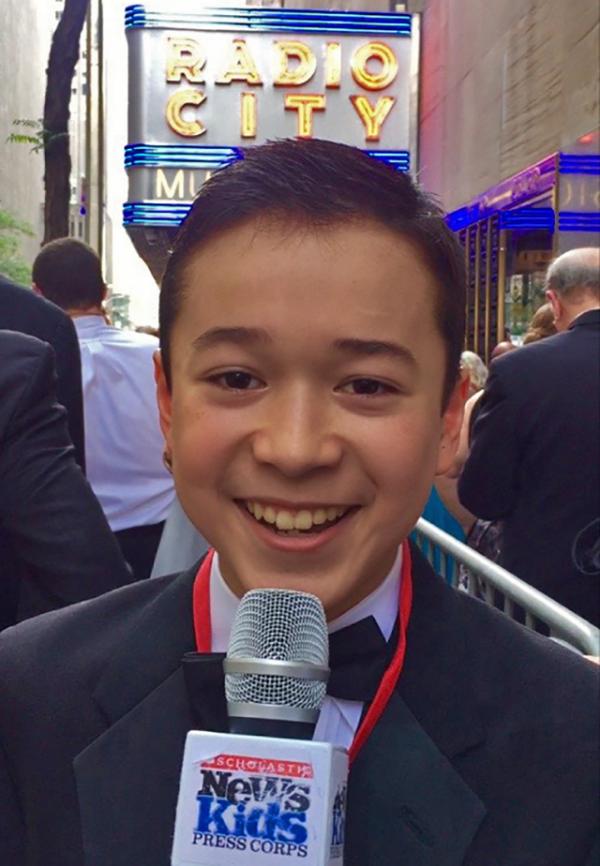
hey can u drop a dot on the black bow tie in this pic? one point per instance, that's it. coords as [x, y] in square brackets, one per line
[358, 658]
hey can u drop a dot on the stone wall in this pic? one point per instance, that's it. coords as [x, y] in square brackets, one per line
[503, 85]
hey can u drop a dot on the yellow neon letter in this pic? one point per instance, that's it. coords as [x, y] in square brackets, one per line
[372, 116]
[374, 51]
[248, 120]
[303, 72]
[241, 66]
[164, 190]
[305, 104]
[333, 64]
[177, 101]
[185, 60]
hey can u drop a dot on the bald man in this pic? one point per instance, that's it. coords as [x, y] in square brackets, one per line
[534, 456]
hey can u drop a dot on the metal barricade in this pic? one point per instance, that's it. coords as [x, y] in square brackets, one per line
[499, 587]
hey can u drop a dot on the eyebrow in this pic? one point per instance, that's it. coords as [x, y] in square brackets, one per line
[370, 348]
[239, 336]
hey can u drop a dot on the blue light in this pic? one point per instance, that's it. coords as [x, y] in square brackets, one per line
[399, 159]
[180, 155]
[202, 156]
[579, 163]
[148, 213]
[459, 219]
[579, 221]
[528, 218]
[272, 20]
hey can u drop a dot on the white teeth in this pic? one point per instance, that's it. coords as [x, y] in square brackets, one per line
[301, 521]
[269, 514]
[285, 520]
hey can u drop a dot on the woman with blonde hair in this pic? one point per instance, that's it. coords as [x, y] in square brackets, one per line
[541, 325]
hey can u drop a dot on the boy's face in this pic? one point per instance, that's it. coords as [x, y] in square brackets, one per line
[307, 375]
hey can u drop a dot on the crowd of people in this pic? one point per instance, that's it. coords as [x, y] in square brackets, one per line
[525, 484]
[304, 397]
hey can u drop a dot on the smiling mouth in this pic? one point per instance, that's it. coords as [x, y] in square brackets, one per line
[295, 523]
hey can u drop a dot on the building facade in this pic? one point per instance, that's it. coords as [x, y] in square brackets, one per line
[24, 44]
[508, 140]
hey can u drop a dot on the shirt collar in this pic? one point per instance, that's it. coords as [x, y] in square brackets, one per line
[89, 324]
[382, 604]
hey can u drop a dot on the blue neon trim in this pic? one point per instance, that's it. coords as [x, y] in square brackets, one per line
[399, 159]
[579, 221]
[185, 155]
[150, 213]
[459, 219]
[528, 218]
[579, 163]
[264, 19]
[203, 156]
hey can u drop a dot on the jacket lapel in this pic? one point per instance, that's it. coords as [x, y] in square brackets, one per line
[128, 778]
[406, 802]
[127, 781]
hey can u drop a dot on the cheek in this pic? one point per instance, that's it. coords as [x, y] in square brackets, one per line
[403, 458]
[199, 441]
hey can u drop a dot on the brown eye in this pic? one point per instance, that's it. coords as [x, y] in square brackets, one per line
[238, 380]
[367, 387]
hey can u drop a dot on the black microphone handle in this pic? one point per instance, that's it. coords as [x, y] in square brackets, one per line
[275, 728]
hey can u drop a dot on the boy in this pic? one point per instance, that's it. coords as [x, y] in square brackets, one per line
[311, 328]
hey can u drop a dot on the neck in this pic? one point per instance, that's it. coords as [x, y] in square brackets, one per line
[88, 311]
[335, 604]
[579, 310]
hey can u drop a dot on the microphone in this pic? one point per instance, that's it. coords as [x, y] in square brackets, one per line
[266, 793]
[276, 668]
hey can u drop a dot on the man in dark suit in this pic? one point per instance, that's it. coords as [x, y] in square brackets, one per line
[534, 455]
[312, 319]
[55, 545]
[22, 310]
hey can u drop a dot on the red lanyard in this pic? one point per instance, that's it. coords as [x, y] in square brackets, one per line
[203, 633]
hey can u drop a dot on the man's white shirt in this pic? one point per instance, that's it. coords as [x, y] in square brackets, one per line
[123, 441]
[339, 719]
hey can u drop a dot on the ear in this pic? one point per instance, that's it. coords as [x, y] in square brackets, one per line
[555, 303]
[163, 398]
[37, 290]
[451, 426]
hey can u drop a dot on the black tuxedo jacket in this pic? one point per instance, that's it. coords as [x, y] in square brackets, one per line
[485, 756]
[55, 544]
[534, 463]
[22, 310]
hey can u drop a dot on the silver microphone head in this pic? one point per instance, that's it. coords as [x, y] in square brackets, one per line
[277, 663]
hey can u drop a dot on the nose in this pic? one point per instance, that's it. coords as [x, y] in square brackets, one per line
[296, 434]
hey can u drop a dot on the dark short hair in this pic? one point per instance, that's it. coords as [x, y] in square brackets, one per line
[322, 183]
[68, 273]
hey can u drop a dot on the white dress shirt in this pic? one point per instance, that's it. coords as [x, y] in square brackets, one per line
[123, 441]
[338, 720]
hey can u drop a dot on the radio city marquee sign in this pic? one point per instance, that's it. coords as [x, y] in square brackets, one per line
[205, 83]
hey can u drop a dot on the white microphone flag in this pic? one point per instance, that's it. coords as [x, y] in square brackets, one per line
[260, 801]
